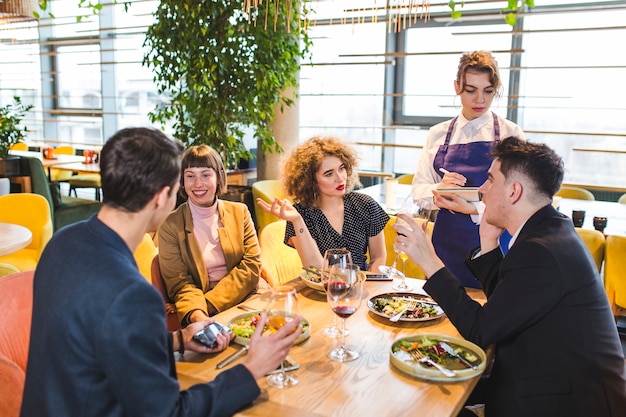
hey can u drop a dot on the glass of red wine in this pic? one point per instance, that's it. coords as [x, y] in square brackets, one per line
[336, 256]
[344, 290]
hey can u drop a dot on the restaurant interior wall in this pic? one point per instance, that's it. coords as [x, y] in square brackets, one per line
[370, 85]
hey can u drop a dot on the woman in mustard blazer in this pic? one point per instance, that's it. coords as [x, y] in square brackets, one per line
[209, 254]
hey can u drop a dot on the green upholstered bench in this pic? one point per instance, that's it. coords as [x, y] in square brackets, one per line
[65, 210]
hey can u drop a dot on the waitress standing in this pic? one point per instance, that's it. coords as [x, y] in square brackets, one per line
[457, 154]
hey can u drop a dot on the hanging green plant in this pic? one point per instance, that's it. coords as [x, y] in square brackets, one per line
[224, 71]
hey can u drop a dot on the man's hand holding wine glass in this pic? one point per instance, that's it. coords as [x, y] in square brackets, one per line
[268, 352]
[416, 243]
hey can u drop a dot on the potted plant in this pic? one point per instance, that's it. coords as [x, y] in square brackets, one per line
[225, 70]
[11, 133]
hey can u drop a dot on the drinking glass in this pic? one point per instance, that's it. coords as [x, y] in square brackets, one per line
[418, 208]
[344, 291]
[282, 307]
[338, 256]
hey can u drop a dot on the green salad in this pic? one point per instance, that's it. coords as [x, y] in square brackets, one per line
[392, 305]
[431, 348]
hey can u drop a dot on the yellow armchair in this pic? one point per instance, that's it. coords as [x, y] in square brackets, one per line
[595, 243]
[614, 267]
[33, 212]
[575, 193]
[266, 190]
[144, 254]
[279, 263]
[412, 270]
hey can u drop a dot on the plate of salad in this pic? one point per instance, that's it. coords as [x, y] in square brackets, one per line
[312, 278]
[388, 304]
[465, 358]
[244, 325]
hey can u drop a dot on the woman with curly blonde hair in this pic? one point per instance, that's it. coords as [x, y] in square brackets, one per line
[456, 154]
[320, 176]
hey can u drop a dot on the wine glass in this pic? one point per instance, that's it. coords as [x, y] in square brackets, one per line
[282, 307]
[344, 290]
[418, 208]
[337, 256]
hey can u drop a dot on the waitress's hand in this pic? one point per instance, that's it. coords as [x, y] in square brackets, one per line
[452, 180]
[280, 208]
[454, 203]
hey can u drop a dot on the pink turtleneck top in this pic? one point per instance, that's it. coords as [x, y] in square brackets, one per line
[206, 221]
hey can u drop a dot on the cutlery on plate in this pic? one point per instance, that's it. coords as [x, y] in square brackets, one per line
[452, 352]
[410, 306]
[420, 357]
[232, 357]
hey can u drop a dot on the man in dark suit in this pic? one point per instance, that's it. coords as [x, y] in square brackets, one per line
[98, 344]
[557, 351]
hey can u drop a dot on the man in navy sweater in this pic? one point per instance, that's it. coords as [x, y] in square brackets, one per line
[557, 351]
[99, 345]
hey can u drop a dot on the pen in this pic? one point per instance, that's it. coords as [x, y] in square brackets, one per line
[443, 170]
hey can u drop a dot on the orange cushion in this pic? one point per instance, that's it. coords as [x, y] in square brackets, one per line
[12, 382]
[16, 303]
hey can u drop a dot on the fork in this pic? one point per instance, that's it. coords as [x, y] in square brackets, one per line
[410, 306]
[420, 357]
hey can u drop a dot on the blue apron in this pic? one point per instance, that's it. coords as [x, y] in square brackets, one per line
[455, 234]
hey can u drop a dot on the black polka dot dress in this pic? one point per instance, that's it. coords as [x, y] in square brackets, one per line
[363, 218]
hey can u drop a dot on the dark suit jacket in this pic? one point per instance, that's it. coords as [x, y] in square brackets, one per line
[557, 351]
[98, 344]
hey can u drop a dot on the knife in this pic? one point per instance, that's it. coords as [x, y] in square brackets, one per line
[232, 357]
[451, 351]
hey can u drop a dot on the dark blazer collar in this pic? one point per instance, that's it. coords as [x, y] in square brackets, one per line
[542, 214]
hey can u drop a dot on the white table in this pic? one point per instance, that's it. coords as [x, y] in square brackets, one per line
[13, 237]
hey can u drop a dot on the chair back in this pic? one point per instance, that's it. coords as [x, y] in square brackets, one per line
[266, 190]
[595, 243]
[405, 179]
[65, 150]
[614, 267]
[16, 303]
[5, 186]
[171, 314]
[622, 199]
[412, 270]
[19, 146]
[7, 269]
[62, 174]
[575, 193]
[280, 263]
[144, 254]
[33, 212]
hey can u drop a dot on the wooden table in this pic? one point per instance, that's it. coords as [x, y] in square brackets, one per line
[368, 386]
[13, 237]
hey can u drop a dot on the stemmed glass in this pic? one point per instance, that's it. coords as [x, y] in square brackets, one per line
[281, 308]
[338, 256]
[418, 209]
[344, 290]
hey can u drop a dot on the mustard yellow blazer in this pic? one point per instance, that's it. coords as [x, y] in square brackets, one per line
[182, 265]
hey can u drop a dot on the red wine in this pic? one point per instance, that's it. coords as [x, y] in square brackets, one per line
[344, 311]
[337, 289]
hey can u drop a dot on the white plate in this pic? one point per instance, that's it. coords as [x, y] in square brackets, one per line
[241, 340]
[402, 297]
[404, 362]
